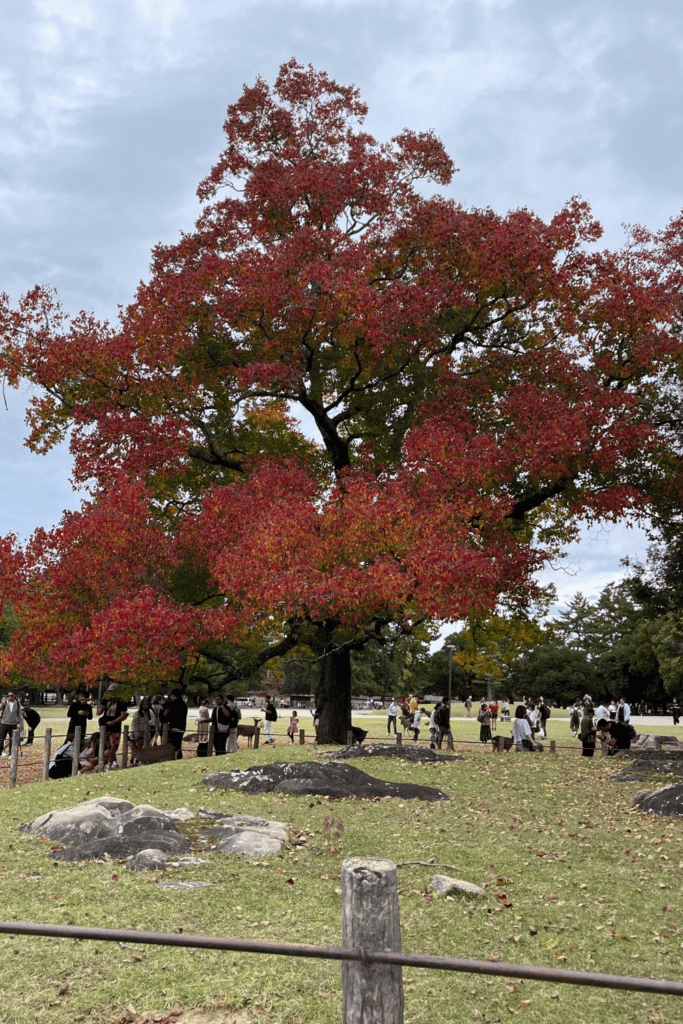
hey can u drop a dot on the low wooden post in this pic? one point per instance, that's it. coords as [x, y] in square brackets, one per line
[302, 737]
[164, 735]
[209, 745]
[501, 744]
[100, 753]
[257, 733]
[372, 993]
[14, 757]
[75, 764]
[553, 748]
[124, 749]
[46, 754]
[147, 734]
[449, 739]
[399, 739]
[349, 739]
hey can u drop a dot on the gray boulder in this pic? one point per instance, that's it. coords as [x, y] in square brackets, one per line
[313, 779]
[666, 801]
[402, 750]
[106, 826]
[241, 833]
[445, 884]
[148, 860]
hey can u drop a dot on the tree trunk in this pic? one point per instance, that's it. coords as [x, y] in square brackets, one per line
[333, 697]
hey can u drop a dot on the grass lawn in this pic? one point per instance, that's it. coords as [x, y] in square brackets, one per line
[576, 877]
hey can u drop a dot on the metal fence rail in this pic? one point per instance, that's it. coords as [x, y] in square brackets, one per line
[434, 963]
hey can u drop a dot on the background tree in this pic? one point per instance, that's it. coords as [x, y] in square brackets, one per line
[477, 384]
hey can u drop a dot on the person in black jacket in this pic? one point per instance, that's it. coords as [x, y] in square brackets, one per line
[616, 735]
[32, 719]
[79, 713]
[220, 719]
[442, 719]
[271, 716]
[174, 715]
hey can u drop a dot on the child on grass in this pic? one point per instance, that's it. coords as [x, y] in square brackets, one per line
[293, 726]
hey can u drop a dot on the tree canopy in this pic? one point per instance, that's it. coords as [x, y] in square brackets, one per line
[475, 384]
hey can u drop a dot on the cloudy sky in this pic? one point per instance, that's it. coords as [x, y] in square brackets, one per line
[111, 113]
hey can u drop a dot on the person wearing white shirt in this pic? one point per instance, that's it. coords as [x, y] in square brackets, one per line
[601, 712]
[394, 709]
[623, 712]
[521, 731]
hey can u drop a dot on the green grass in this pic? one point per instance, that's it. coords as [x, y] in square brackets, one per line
[590, 883]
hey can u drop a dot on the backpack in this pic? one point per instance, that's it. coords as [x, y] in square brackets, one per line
[547, 712]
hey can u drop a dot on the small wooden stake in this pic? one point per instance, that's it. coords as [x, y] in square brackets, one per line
[46, 754]
[372, 993]
[124, 751]
[14, 758]
[209, 745]
[302, 737]
[103, 740]
[257, 733]
[77, 750]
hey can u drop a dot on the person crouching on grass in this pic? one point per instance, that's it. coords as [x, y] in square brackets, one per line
[293, 726]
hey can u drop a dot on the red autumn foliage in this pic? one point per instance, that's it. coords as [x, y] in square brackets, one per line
[476, 383]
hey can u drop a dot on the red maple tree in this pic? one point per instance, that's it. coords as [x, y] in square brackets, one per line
[475, 385]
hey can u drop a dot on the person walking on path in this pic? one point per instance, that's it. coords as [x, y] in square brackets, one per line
[394, 708]
[587, 733]
[293, 727]
[575, 718]
[468, 707]
[271, 716]
[11, 720]
[675, 711]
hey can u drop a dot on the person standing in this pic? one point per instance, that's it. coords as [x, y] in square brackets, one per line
[623, 712]
[675, 711]
[532, 718]
[394, 708]
[443, 720]
[417, 717]
[142, 722]
[493, 709]
[235, 715]
[11, 721]
[544, 715]
[271, 717]
[484, 719]
[79, 714]
[203, 718]
[220, 719]
[468, 707]
[112, 712]
[587, 733]
[521, 731]
[433, 727]
[412, 704]
[174, 715]
[293, 727]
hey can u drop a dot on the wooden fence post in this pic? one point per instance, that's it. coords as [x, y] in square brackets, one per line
[146, 738]
[399, 739]
[349, 739]
[77, 750]
[164, 735]
[257, 733]
[124, 750]
[14, 757]
[209, 745]
[302, 737]
[501, 744]
[372, 993]
[100, 753]
[553, 748]
[46, 754]
[449, 738]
